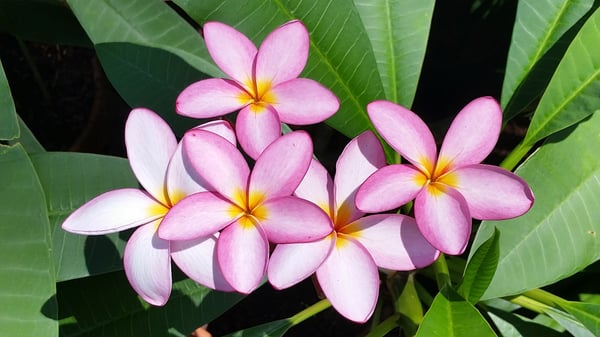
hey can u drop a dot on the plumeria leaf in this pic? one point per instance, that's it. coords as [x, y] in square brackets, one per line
[451, 315]
[9, 123]
[69, 180]
[586, 313]
[272, 329]
[572, 93]
[352, 74]
[84, 306]
[558, 236]
[27, 139]
[27, 282]
[570, 323]
[539, 25]
[398, 31]
[513, 325]
[480, 270]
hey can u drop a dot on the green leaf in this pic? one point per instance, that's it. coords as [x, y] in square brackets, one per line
[69, 180]
[538, 26]
[480, 269]
[27, 139]
[513, 325]
[587, 314]
[143, 22]
[27, 283]
[398, 31]
[559, 235]
[568, 322]
[9, 124]
[272, 329]
[341, 57]
[106, 305]
[572, 93]
[451, 315]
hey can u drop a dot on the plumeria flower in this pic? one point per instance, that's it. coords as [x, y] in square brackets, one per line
[263, 83]
[450, 188]
[249, 207]
[157, 161]
[346, 261]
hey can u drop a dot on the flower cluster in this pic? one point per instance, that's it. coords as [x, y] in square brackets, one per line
[227, 225]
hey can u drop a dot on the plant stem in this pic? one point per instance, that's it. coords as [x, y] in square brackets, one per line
[538, 300]
[309, 312]
[442, 275]
[386, 326]
[517, 154]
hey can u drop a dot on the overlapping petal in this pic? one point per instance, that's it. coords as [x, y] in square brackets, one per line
[303, 101]
[114, 211]
[493, 193]
[257, 128]
[317, 187]
[219, 127]
[148, 264]
[210, 98]
[150, 144]
[350, 280]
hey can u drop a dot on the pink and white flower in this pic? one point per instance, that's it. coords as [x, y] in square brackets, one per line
[346, 261]
[450, 188]
[263, 83]
[157, 161]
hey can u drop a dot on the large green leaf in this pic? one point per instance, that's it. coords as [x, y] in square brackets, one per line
[9, 124]
[572, 93]
[144, 22]
[513, 325]
[27, 283]
[587, 314]
[480, 270]
[105, 305]
[569, 322]
[341, 57]
[559, 235]
[452, 316]
[538, 26]
[69, 180]
[27, 139]
[398, 31]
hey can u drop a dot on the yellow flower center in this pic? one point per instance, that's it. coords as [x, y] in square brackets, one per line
[436, 177]
[258, 95]
[248, 208]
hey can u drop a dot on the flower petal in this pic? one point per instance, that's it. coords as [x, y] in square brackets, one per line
[219, 127]
[361, 157]
[198, 260]
[281, 167]
[257, 128]
[283, 53]
[231, 50]
[317, 187]
[393, 240]
[405, 132]
[210, 98]
[148, 264]
[198, 215]
[473, 133]
[150, 144]
[350, 280]
[302, 101]
[293, 262]
[291, 220]
[493, 193]
[114, 211]
[443, 218]
[388, 188]
[218, 161]
[242, 251]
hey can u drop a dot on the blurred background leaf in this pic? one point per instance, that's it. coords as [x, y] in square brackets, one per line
[9, 124]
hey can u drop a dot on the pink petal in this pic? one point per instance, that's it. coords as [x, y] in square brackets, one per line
[291, 220]
[281, 167]
[350, 280]
[198, 215]
[293, 262]
[443, 218]
[114, 211]
[148, 264]
[493, 193]
[317, 187]
[150, 144]
[220, 127]
[303, 101]
[473, 133]
[393, 240]
[257, 128]
[242, 251]
[405, 132]
[361, 157]
[390, 187]
[283, 54]
[198, 260]
[210, 98]
[231, 50]
[217, 161]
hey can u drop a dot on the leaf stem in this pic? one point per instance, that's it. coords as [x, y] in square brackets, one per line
[384, 327]
[515, 157]
[538, 300]
[309, 312]
[442, 275]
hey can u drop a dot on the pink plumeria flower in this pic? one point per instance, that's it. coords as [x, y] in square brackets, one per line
[249, 208]
[346, 261]
[157, 161]
[450, 188]
[264, 84]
